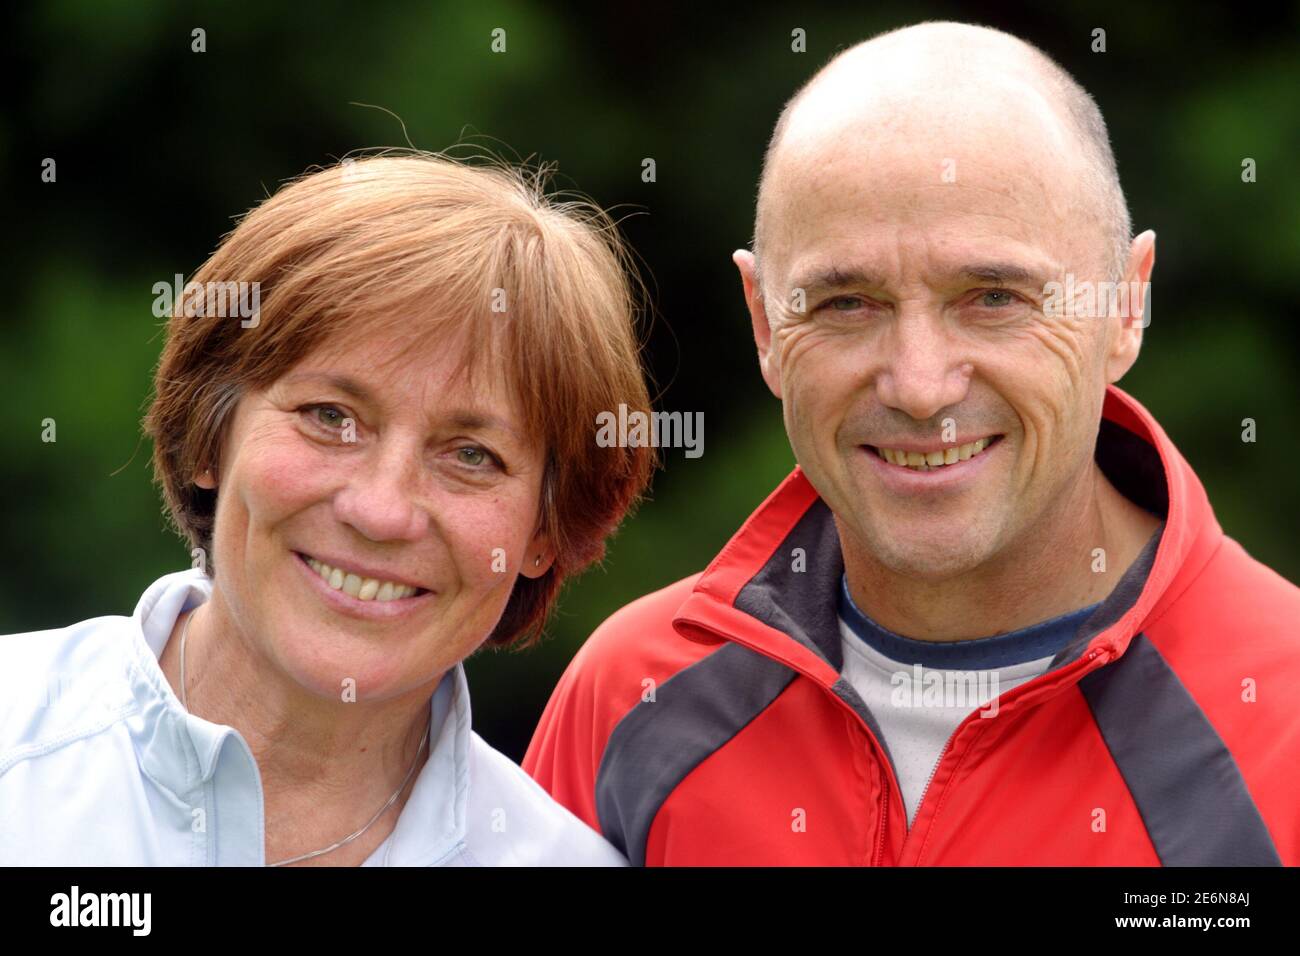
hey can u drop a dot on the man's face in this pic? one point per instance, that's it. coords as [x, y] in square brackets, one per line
[434, 481]
[923, 249]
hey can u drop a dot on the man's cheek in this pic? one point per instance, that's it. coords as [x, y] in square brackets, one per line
[1062, 351]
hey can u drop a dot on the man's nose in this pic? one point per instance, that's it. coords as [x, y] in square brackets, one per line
[381, 498]
[922, 371]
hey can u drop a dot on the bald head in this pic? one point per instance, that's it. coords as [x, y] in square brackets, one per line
[933, 94]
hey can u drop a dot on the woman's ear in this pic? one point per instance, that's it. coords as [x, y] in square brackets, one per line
[206, 479]
[538, 558]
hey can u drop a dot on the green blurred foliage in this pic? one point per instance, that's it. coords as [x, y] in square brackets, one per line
[159, 148]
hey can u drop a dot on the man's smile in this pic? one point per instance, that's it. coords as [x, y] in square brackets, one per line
[909, 471]
[928, 458]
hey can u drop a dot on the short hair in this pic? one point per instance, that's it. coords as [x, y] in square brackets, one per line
[426, 242]
[1083, 117]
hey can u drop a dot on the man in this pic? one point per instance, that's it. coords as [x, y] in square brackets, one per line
[990, 618]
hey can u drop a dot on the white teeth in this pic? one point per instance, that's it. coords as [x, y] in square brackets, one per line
[926, 461]
[365, 589]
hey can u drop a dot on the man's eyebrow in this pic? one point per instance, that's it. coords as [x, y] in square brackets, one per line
[820, 281]
[1000, 273]
[826, 280]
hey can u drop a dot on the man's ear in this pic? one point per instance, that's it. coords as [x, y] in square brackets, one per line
[1137, 276]
[768, 361]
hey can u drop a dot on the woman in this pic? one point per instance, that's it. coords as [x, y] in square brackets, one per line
[387, 464]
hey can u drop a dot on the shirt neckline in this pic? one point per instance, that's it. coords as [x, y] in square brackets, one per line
[1041, 640]
[433, 822]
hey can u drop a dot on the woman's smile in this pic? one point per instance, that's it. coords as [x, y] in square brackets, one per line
[374, 608]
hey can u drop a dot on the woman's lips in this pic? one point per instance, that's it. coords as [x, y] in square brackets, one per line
[356, 607]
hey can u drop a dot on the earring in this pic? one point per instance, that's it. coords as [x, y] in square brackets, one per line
[537, 561]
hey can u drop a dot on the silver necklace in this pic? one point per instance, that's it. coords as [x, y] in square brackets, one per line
[185, 632]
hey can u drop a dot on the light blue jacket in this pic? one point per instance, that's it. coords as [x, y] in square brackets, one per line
[101, 765]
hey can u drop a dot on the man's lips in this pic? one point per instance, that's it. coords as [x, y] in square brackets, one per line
[927, 457]
[927, 445]
[926, 479]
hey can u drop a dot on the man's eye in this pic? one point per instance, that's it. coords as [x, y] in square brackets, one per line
[844, 303]
[1007, 298]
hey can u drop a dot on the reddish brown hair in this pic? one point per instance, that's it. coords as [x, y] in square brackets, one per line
[422, 241]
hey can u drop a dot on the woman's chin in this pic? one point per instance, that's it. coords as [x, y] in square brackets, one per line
[349, 674]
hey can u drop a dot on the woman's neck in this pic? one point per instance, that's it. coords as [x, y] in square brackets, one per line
[327, 766]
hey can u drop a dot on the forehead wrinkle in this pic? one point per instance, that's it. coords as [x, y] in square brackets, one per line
[836, 196]
[891, 85]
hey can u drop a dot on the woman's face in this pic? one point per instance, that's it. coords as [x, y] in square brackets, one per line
[394, 472]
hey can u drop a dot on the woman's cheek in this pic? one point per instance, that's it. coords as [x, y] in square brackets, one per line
[489, 551]
[290, 473]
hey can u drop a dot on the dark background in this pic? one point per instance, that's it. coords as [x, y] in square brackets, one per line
[159, 148]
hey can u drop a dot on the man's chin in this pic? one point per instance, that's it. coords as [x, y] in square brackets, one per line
[931, 555]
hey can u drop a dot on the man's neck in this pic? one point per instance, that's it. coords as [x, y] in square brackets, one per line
[1051, 571]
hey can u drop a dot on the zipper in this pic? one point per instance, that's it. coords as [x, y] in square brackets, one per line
[878, 851]
[881, 831]
[948, 743]
[935, 769]
[1005, 700]
[1012, 696]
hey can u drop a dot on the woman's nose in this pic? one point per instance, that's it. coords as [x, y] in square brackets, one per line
[381, 498]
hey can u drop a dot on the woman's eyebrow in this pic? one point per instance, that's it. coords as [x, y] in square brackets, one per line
[476, 421]
[467, 418]
[342, 382]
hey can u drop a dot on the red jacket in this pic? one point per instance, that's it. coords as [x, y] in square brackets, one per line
[707, 723]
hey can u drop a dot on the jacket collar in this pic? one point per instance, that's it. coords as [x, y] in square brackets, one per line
[182, 752]
[773, 586]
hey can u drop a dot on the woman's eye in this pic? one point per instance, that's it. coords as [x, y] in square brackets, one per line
[472, 455]
[329, 419]
[1007, 298]
[327, 415]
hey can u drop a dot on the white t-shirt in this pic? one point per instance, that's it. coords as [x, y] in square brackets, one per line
[919, 691]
